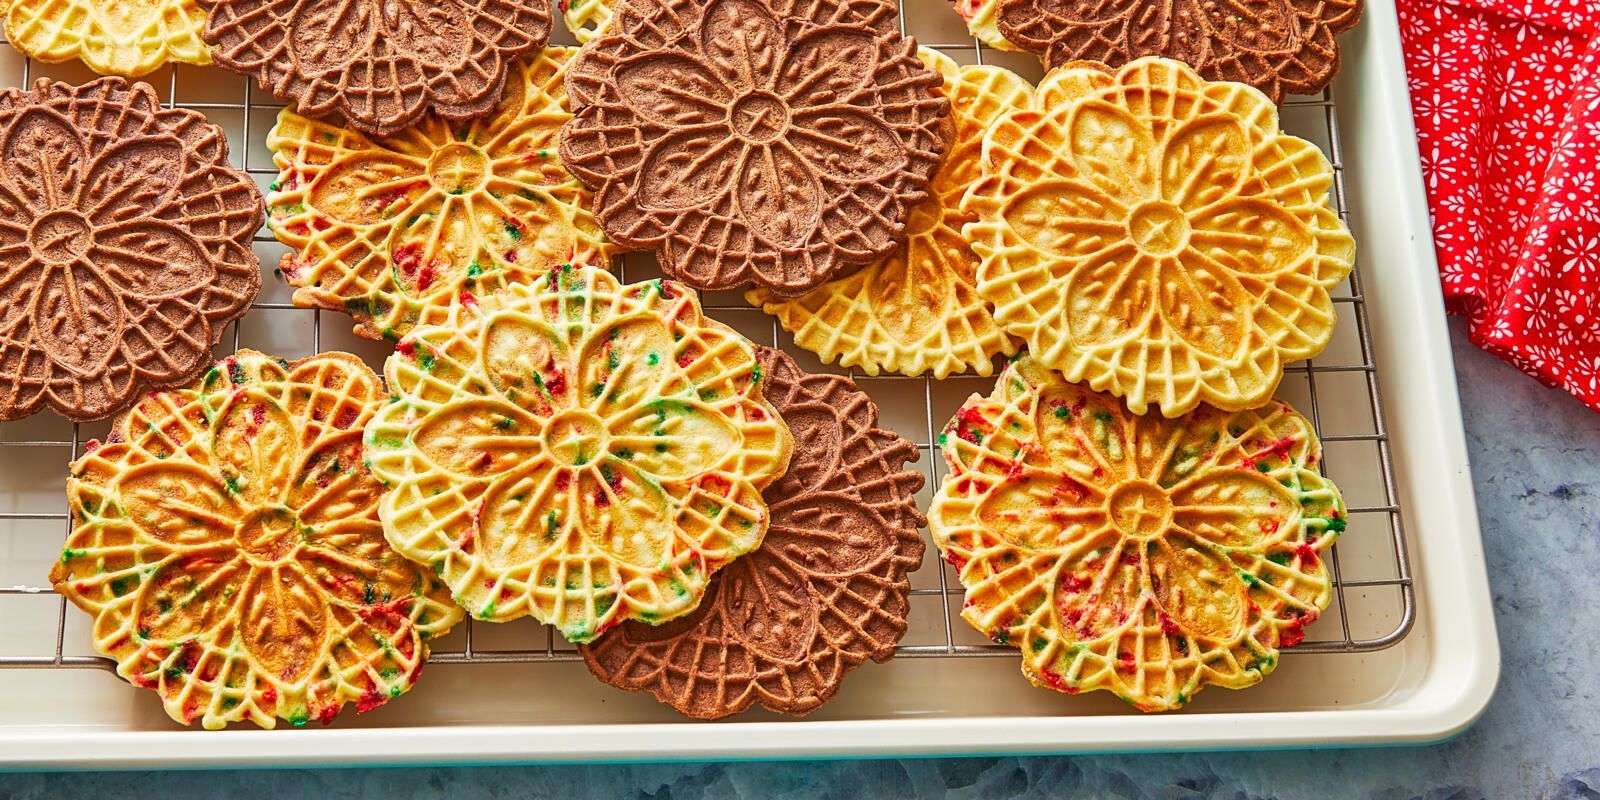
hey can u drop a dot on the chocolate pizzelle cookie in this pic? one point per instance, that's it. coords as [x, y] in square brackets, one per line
[1278, 46]
[125, 242]
[918, 310]
[769, 142]
[827, 589]
[226, 541]
[379, 65]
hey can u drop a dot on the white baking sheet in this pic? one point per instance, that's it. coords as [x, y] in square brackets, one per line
[1429, 685]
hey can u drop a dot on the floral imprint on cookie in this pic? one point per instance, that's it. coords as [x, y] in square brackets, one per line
[226, 540]
[125, 242]
[1144, 556]
[577, 450]
[395, 229]
[774, 143]
[378, 65]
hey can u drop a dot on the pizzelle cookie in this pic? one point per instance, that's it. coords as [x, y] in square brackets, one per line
[125, 242]
[127, 38]
[826, 590]
[1158, 236]
[395, 229]
[377, 66]
[577, 450]
[775, 143]
[1277, 46]
[918, 309]
[226, 540]
[1144, 556]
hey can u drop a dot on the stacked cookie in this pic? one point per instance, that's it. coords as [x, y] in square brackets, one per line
[1141, 247]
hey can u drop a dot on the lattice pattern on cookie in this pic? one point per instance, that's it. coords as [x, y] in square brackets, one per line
[586, 19]
[1277, 46]
[226, 541]
[775, 143]
[1145, 556]
[577, 450]
[396, 229]
[125, 245]
[127, 38]
[379, 66]
[826, 590]
[1158, 236]
[918, 310]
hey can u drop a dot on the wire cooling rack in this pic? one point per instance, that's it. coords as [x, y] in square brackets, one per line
[1374, 602]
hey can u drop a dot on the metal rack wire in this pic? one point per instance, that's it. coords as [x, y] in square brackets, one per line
[467, 647]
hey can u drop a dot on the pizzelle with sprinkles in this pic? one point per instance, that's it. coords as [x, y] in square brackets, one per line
[918, 310]
[226, 540]
[825, 592]
[1157, 236]
[577, 450]
[395, 229]
[1144, 556]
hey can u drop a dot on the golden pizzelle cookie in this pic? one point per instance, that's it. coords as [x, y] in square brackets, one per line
[226, 541]
[1144, 556]
[825, 592]
[577, 450]
[1158, 236]
[395, 229]
[981, 22]
[918, 309]
[126, 37]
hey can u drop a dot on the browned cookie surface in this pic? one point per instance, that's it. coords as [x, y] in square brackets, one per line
[827, 589]
[378, 64]
[1277, 46]
[124, 246]
[775, 142]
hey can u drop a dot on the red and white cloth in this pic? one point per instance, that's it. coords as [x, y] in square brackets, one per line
[1506, 97]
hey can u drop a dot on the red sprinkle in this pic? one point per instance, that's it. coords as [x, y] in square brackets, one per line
[370, 699]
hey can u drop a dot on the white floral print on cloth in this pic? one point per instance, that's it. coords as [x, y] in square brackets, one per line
[1144, 556]
[395, 229]
[1506, 100]
[577, 450]
[226, 540]
[1157, 236]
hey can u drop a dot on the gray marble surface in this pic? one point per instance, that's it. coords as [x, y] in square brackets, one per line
[1536, 464]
